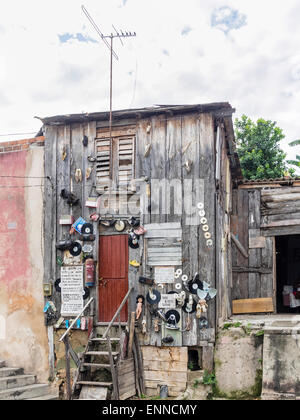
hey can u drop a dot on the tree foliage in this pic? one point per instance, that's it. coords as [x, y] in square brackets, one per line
[258, 148]
[295, 162]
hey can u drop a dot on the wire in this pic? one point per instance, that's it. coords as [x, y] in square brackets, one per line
[25, 177]
[17, 134]
[21, 186]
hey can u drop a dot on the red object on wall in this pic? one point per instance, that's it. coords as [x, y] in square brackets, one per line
[89, 272]
[113, 276]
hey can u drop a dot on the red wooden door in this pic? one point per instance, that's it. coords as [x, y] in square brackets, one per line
[113, 276]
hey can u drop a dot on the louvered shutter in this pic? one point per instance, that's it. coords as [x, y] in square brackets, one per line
[103, 164]
[125, 172]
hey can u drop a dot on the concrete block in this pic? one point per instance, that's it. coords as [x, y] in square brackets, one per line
[281, 366]
[238, 358]
[25, 392]
[16, 381]
[6, 371]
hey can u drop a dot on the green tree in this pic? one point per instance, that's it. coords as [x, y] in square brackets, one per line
[258, 148]
[297, 161]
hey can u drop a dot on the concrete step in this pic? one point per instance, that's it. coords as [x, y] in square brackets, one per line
[6, 371]
[25, 392]
[2, 363]
[45, 397]
[16, 381]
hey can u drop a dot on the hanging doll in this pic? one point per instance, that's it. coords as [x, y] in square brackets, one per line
[139, 306]
[201, 308]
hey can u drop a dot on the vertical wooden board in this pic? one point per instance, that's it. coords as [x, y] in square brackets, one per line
[254, 261]
[76, 163]
[267, 262]
[174, 168]
[208, 358]
[158, 167]
[243, 233]
[143, 165]
[190, 219]
[207, 172]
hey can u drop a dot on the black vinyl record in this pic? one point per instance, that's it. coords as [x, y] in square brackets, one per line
[86, 293]
[175, 313]
[195, 284]
[75, 249]
[87, 229]
[57, 285]
[131, 242]
[194, 306]
[157, 297]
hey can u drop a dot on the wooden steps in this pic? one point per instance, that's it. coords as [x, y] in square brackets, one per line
[100, 353]
[92, 383]
[97, 365]
[104, 340]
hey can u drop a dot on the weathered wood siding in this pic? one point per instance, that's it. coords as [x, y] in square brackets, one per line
[280, 211]
[165, 366]
[253, 272]
[183, 151]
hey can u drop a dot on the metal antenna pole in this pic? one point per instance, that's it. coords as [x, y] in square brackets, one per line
[112, 54]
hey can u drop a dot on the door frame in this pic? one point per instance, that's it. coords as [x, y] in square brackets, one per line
[96, 311]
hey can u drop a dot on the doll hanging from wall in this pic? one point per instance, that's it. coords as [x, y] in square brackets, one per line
[201, 308]
[139, 306]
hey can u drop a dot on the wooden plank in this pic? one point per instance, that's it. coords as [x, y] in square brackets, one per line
[131, 392]
[164, 233]
[281, 231]
[160, 226]
[152, 375]
[279, 223]
[131, 333]
[281, 198]
[281, 190]
[248, 306]
[239, 246]
[208, 358]
[181, 386]
[257, 242]
[164, 365]
[165, 354]
[173, 391]
[259, 270]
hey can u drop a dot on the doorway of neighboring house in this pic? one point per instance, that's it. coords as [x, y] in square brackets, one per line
[288, 274]
[113, 276]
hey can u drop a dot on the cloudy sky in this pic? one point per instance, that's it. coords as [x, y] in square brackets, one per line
[246, 52]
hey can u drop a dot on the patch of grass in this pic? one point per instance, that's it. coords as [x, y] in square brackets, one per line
[247, 328]
[229, 325]
[209, 378]
[196, 383]
[259, 333]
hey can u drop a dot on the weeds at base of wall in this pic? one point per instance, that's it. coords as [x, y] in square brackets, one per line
[253, 394]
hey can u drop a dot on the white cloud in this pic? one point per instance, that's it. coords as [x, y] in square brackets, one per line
[177, 57]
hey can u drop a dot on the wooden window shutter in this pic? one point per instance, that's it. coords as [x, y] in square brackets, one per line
[103, 152]
[126, 164]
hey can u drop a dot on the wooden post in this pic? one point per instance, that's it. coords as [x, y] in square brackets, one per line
[113, 371]
[131, 334]
[68, 369]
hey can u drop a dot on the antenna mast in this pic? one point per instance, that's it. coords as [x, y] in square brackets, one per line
[112, 55]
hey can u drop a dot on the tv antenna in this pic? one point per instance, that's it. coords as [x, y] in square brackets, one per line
[118, 34]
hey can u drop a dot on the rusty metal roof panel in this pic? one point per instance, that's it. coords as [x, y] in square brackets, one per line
[221, 108]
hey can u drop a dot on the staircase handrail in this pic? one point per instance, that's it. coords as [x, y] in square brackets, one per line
[118, 312]
[74, 321]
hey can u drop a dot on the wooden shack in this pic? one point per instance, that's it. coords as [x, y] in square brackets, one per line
[172, 168]
[265, 225]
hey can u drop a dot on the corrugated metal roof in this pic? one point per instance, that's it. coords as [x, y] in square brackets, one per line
[221, 108]
[283, 180]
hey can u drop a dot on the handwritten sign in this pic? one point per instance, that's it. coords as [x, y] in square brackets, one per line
[167, 301]
[164, 275]
[71, 290]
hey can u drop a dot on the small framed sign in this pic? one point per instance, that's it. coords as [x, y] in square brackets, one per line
[71, 290]
[164, 275]
[167, 301]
